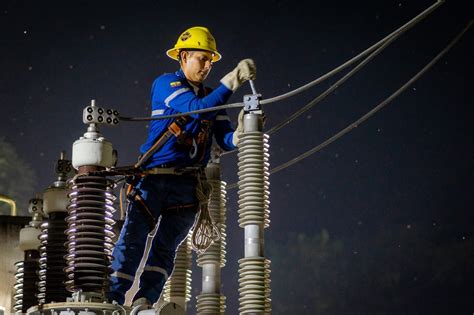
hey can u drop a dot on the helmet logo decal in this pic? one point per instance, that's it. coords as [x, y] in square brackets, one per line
[195, 38]
[185, 36]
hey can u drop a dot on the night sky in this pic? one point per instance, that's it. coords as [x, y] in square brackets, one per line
[406, 173]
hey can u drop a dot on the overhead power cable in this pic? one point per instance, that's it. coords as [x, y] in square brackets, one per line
[402, 29]
[331, 89]
[356, 123]
[338, 83]
[389, 37]
[341, 81]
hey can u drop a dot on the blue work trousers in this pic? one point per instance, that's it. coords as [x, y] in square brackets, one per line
[163, 195]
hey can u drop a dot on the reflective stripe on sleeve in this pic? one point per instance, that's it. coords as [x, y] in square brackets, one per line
[222, 117]
[122, 275]
[157, 112]
[174, 94]
[157, 269]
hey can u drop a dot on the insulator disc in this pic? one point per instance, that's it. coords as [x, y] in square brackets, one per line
[89, 234]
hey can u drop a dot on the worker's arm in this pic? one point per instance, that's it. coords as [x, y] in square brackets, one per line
[171, 92]
[223, 132]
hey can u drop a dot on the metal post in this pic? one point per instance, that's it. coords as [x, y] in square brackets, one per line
[11, 203]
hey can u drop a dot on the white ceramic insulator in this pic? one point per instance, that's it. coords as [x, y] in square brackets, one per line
[92, 152]
[178, 287]
[215, 254]
[29, 238]
[55, 199]
[211, 303]
[254, 269]
[254, 286]
[253, 179]
[211, 300]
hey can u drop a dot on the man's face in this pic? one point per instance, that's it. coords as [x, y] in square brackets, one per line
[196, 65]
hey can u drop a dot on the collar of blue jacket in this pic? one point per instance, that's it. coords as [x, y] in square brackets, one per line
[180, 73]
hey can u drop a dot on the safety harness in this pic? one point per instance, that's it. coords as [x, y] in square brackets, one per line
[184, 141]
[205, 231]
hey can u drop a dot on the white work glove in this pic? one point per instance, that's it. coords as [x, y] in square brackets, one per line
[240, 128]
[245, 70]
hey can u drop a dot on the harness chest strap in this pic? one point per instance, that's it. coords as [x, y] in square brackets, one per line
[202, 138]
[174, 129]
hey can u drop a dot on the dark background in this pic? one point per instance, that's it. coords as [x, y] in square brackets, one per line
[380, 222]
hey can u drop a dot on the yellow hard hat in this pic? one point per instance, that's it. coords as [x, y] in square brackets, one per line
[197, 37]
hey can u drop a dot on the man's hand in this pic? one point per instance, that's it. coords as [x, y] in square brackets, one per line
[245, 70]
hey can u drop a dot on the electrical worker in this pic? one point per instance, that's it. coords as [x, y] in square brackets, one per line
[175, 150]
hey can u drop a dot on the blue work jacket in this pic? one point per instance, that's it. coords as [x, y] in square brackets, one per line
[171, 93]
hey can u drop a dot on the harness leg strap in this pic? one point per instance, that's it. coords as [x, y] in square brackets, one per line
[146, 211]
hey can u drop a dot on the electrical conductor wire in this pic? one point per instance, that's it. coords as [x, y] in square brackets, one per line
[402, 29]
[333, 87]
[356, 123]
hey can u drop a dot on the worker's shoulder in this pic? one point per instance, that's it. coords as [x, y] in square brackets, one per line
[169, 80]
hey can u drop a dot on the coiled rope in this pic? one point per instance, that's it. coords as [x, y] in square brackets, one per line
[205, 230]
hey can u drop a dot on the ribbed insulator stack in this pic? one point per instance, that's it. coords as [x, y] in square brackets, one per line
[211, 301]
[25, 281]
[90, 234]
[216, 252]
[52, 277]
[26, 277]
[254, 193]
[53, 237]
[178, 287]
[254, 268]
[254, 285]
[18, 287]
